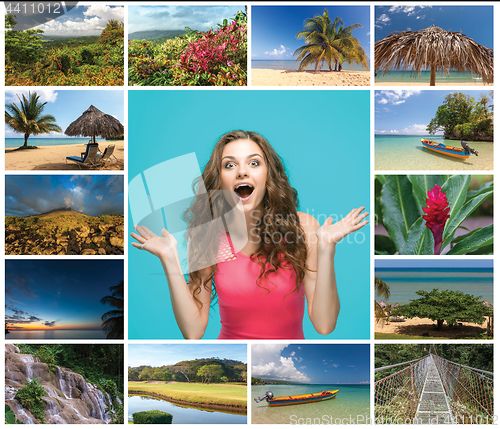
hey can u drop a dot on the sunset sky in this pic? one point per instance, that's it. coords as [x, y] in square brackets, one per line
[58, 294]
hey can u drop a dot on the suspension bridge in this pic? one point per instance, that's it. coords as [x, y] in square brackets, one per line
[433, 390]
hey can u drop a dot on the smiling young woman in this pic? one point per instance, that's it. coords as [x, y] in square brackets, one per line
[285, 256]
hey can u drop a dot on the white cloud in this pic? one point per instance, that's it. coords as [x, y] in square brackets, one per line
[395, 97]
[409, 10]
[292, 354]
[415, 129]
[268, 362]
[46, 95]
[277, 53]
[382, 20]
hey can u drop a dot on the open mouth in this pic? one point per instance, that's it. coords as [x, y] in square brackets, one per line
[244, 191]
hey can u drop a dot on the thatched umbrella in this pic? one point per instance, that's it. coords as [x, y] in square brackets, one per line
[94, 123]
[435, 49]
[383, 304]
[488, 304]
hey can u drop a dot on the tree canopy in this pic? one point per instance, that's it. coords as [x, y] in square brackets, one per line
[441, 305]
[21, 46]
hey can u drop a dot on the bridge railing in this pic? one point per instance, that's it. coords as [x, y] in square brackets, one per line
[469, 391]
[397, 395]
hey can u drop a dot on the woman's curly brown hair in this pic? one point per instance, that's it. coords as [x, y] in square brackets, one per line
[279, 219]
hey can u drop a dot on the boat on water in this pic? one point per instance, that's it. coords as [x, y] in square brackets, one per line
[296, 399]
[448, 150]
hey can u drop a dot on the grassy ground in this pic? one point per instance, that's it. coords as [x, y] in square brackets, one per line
[402, 337]
[221, 394]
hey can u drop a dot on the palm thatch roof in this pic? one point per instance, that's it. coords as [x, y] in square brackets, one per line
[487, 304]
[383, 304]
[435, 49]
[94, 123]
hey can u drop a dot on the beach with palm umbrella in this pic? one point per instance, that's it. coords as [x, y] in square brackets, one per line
[47, 113]
[425, 46]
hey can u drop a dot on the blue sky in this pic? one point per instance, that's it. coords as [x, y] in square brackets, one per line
[202, 18]
[35, 194]
[475, 22]
[410, 111]
[433, 263]
[312, 363]
[169, 354]
[68, 105]
[274, 28]
[83, 21]
[62, 294]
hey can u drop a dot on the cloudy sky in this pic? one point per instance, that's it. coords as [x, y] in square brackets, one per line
[389, 19]
[312, 363]
[35, 194]
[62, 294]
[410, 111]
[202, 18]
[68, 105]
[169, 354]
[83, 21]
[274, 28]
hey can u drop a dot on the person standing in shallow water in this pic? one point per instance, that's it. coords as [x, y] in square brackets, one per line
[288, 257]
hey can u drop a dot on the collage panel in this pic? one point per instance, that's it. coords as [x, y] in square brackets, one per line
[433, 46]
[48, 44]
[433, 383]
[299, 45]
[301, 160]
[40, 387]
[173, 45]
[187, 384]
[60, 130]
[310, 384]
[434, 130]
[433, 299]
[64, 215]
[434, 214]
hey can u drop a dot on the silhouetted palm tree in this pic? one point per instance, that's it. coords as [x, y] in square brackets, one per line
[28, 119]
[113, 320]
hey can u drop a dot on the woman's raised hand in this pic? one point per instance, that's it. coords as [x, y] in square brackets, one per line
[161, 246]
[329, 234]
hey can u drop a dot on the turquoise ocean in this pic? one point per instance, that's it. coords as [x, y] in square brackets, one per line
[352, 402]
[293, 65]
[425, 76]
[404, 282]
[12, 143]
[406, 152]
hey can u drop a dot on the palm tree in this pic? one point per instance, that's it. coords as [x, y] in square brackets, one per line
[113, 320]
[381, 289]
[329, 42]
[28, 119]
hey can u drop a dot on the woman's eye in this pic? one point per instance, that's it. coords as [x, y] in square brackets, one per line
[229, 165]
[254, 163]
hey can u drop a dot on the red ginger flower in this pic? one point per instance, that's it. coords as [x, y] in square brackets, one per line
[437, 214]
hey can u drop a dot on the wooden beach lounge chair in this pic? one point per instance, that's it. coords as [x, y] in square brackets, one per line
[88, 159]
[108, 154]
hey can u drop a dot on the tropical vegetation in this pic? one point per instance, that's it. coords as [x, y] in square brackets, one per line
[28, 118]
[31, 62]
[113, 320]
[215, 57]
[381, 289]
[461, 116]
[422, 214]
[329, 42]
[152, 417]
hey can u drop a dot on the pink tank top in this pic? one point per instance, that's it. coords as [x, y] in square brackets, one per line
[248, 311]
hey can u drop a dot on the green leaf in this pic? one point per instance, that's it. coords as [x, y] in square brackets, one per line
[384, 245]
[420, 240]
[422, 184]
[445, 177]
[455, 189]
[381, 178]
[398, 208]
[485, 188]
[485, 250]
[478, 238]
[10, 417]
[464, 212]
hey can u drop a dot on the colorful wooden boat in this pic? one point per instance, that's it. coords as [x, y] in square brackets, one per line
[445, 150]
[298, 399]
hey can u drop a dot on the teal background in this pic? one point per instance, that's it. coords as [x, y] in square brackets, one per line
[323, 138]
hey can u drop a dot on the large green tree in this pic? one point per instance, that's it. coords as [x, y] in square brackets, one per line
[21, 46]
[329, 42]
[113, 320]
[441, 305]
[210, 373]
[27, 118]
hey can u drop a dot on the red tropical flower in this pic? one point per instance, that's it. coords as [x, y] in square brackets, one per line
[437, 214]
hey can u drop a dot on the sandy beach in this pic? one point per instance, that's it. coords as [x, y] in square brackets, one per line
[417, 326]
[54, 157]
[269, 77]
[427, 84]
